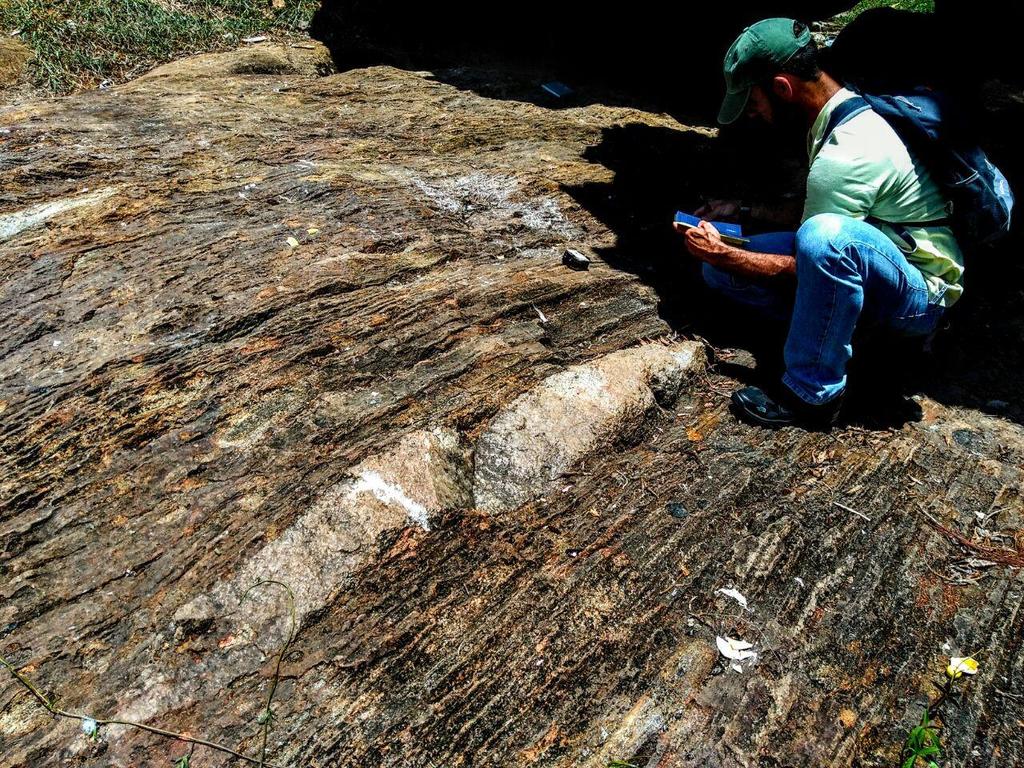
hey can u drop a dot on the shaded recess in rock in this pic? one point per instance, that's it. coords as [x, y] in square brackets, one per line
[644, 48]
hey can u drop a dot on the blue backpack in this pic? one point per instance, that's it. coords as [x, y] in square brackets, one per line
[931, 128]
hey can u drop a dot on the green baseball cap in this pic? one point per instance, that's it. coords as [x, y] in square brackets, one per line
[756, 55]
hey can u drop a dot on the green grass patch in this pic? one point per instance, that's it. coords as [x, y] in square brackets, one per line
[921, 6]
[81, 43]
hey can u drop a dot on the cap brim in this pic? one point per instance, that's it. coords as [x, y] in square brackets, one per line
[733, 106]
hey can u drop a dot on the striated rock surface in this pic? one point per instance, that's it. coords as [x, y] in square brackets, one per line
[262, 322]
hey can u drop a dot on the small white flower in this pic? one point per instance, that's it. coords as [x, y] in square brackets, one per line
[961, 666]
[90, 728]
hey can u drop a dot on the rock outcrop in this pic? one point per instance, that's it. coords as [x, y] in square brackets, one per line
[262, 322]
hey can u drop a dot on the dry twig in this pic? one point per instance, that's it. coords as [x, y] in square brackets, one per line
[58, 712]
[1000, 555]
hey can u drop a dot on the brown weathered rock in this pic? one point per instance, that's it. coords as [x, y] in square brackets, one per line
[189, 403]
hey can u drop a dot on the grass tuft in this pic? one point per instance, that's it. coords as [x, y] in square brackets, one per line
[82, 43]
[920, 6]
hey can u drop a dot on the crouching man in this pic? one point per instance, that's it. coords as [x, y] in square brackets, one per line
[874, 248]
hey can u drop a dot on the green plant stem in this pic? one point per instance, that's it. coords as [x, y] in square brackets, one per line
[944, 691]
[267, 712]
[54, 710]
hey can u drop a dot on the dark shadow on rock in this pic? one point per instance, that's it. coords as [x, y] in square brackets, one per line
[670, 56]
[649, 54]
[523, 83]
[659, 171]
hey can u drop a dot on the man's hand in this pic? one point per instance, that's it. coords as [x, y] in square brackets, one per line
[722, 210]
[705, 243]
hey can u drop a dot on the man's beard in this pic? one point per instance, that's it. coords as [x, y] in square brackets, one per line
[786, 116]
[788, 125]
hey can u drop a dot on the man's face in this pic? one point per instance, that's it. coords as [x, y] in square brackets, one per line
[782, 114]
[760, 106]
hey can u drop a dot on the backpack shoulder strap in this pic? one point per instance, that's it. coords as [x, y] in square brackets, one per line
[847, 111]
[843, 113]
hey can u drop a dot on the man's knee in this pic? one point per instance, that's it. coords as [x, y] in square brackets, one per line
[822, 229]
[817, 238]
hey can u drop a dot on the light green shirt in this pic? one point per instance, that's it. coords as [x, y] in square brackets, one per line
[863, 169]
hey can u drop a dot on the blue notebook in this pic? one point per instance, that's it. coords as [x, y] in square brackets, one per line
[731, 233]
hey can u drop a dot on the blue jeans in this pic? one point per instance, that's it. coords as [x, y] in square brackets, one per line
[848, 275]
